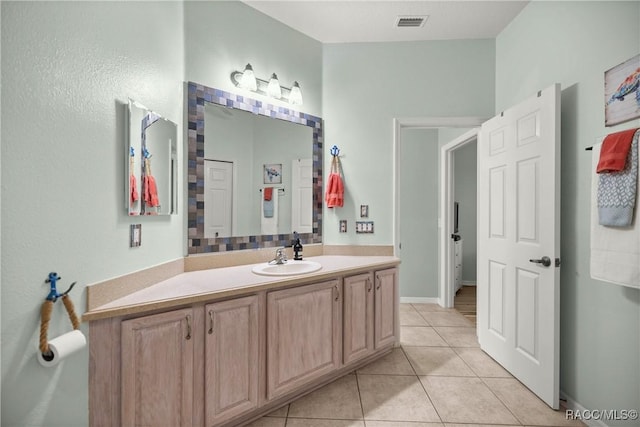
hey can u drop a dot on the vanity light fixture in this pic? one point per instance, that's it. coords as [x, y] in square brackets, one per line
[247, 80]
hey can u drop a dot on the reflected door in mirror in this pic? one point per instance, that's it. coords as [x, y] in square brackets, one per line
[218, 188]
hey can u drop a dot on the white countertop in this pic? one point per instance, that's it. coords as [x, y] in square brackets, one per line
[203, 285]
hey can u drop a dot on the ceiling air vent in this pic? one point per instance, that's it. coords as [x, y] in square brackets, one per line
[410, 21]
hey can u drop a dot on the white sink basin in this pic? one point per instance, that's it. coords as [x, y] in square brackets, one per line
[291, 268]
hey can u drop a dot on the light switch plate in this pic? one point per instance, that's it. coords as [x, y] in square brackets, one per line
[135, 238]
[365, 227]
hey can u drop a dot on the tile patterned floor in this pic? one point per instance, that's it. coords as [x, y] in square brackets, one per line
[438, 377]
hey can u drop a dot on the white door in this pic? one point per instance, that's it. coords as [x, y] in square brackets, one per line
[519, 224]
[218, 190]
[302, 197]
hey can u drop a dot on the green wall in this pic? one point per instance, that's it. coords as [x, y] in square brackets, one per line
[67, 71]
[366, 86]
[223, 36]
[574, 43]
[418, 219]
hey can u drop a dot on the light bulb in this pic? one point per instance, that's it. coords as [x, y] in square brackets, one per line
[273, 90]
[295, 96]
[248, 80]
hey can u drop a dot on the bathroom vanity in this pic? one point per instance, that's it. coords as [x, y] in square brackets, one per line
[224, 346]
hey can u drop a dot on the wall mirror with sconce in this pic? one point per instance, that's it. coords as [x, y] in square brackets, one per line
[231, 140]
[151, 162]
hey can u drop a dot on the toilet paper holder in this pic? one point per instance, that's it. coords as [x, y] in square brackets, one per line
[47, 308]
[53, 293]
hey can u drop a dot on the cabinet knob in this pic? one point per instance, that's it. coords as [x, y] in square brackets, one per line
[211, 322]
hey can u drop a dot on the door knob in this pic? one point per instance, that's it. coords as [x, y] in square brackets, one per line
[545, 260]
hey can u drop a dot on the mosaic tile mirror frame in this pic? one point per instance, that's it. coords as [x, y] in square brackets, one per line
[197, 95]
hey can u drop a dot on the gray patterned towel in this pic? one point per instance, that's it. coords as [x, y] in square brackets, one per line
[617, 191]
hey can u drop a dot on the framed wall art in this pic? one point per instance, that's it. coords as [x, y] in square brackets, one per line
[273, 173]
[622, 92]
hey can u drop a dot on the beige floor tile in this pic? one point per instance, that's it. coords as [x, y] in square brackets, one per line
[268, 422]
[456, 336]
[466, 400]
[280, 412]
[412, 318]
[422, 308]
[395, 398]
[446, 318]
[400, 424]
[437, 361]
[420, 336]
[337, 400]
[525, 405]
[406, 307]
[481, 363]
[309, 422]
[394, 363]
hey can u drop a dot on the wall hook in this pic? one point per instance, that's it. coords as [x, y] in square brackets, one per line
[53, 293]
[335, 151]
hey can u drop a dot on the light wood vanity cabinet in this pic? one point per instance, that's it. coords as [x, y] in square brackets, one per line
[386, 304]
[223, 363]
[304, 332]
[370, 304]
[157, 369]
[231, 358]
[358, 317]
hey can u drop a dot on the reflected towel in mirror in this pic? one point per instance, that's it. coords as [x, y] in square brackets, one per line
[269, 215]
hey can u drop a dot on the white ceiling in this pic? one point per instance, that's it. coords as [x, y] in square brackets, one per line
[331, 21]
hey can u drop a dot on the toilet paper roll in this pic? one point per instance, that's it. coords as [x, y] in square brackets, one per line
[62, 347]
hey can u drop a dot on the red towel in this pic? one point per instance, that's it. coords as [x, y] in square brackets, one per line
[150, 191]
[133, 186]
[334, 195]
[268, 193]
[614, 151]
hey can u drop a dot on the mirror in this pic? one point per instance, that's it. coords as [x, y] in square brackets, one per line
[151, 164]
[245, 154]
[240, 150]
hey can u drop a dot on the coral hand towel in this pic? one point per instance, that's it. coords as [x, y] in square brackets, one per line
[268, 193]
[150, 191]
[615, 148]
[335, 191]
[133, 185]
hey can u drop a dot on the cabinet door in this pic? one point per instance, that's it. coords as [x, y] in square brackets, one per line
[358, 317]
[157, 370]
[303, 336]
[232, 360]
[385, 306]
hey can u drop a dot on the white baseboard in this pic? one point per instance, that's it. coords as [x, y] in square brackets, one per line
[572, 404]
[419, 300]
[468, 283]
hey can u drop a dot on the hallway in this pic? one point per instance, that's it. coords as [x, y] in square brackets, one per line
[438, 377]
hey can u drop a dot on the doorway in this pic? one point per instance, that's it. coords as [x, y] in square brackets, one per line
[444, 276]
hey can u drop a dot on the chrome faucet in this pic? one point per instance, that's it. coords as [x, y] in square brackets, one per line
[281, 257]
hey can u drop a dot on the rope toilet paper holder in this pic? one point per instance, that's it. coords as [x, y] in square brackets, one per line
[46, 310]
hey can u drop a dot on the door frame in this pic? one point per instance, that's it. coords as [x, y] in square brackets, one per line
[447, 198]
[425, 123]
